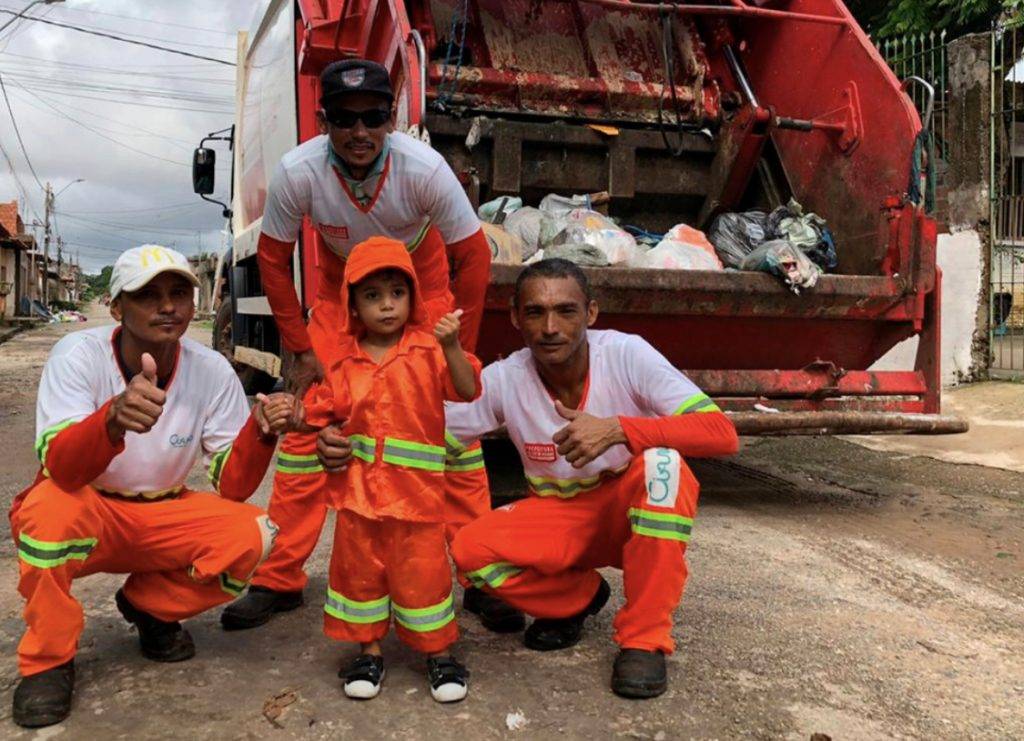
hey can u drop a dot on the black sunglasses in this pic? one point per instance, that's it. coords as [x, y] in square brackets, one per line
[373, 118]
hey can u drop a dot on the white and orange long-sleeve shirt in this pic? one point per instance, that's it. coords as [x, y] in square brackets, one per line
[205, 415]
[415, 198]
[656, 404]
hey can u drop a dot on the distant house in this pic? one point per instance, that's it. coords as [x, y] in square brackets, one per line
[16, 278]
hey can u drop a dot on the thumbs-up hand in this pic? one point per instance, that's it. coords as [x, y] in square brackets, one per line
[139, 407]
[274, 413]
[447, 329]
[586, 437]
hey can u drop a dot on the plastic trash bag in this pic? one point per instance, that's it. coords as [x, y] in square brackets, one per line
[498, 210]
[525, 224]
[807, 231]
[561, 205]
[784, 260]
[576, 235]
[694, 237]
[670, 254]
[506, 249]
[735, 235]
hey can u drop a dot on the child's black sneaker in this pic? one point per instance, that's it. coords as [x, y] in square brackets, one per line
[363, 677]
[448, 679]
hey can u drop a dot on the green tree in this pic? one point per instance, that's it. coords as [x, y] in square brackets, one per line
[884, 18]
[97, 285]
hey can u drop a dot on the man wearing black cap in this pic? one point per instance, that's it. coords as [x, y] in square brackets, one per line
[357, 180]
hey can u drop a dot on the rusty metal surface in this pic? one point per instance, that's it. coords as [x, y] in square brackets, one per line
[811, 383]
[564, 58]
[722, 293]
[845, 423]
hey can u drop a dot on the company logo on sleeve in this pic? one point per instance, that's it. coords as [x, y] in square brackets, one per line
[541, 452]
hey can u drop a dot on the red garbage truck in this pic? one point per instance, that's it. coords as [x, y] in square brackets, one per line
[679, 112]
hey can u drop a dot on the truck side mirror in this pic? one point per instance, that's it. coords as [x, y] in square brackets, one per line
[203, 162]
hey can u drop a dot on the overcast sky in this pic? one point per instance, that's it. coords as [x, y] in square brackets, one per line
[123, 117]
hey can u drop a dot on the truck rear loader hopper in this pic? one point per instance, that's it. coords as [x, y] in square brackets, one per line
[679, 112]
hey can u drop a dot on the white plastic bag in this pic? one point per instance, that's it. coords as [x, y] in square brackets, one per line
[670, 254]
[587, 238]
[525, 223]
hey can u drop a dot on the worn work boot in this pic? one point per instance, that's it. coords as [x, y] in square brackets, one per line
[257, 607]
[45, 698]
[639, 673]
[550, 634]
[495, 615]
[159, 640]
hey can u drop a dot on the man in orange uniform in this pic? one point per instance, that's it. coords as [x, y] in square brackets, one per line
[358, 180]
[601, 421]
[386, 390]
[123, 413]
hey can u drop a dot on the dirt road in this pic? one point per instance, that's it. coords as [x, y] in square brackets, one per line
[834, 589]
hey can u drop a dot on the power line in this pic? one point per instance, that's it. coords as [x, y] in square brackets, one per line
[17, 133]
[189, 204]
[130, 35]
[125, 40]
[146, 20]
[18, 184]
[140, 131]
[101, 134]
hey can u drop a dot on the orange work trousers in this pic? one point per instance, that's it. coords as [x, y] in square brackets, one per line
[384, 568]
[540, 554]
[297, 503]
[183, 554]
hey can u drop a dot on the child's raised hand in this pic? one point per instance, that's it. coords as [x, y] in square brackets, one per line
[274, 413]
[447, 329]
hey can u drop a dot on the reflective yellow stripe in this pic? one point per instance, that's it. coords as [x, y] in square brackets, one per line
[44, 554]
[425, 619]
[46, 437]
[418, 239]
[493, 575]
[699, 402]
[568, 488]
[352, 611]
[413, 455]
[290, 463]
[147, 495]
[217, 463]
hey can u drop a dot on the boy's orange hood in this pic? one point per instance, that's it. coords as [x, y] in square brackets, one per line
[378, 253]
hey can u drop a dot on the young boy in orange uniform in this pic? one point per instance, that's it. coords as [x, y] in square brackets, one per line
[385, 389]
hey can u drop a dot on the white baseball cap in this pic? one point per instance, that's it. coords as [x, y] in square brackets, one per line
[139, 265]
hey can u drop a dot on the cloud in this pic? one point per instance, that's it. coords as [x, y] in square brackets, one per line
[123, 117]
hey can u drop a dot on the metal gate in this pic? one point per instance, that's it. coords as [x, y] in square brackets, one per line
[1006, 255]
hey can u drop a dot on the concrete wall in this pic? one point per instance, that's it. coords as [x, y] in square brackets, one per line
[960, 256]
[8, 263]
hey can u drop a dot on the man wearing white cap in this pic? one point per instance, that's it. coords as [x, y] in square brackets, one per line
[123, 413]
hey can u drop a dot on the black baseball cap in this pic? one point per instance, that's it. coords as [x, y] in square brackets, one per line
[354, 76]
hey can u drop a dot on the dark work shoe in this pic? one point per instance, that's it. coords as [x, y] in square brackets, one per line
[45, 698]
[257, 607]
[159, 640]
[449, 680]
[551, 634]
[639, 673]
[495, 615]
[363, 677]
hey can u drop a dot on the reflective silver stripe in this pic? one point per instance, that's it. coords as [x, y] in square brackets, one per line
[292, 463]
[425, 619]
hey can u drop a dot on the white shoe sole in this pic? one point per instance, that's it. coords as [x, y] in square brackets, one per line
[362, 689]
[450, 692]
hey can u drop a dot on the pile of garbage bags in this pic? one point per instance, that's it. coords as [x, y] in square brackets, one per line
[796, 247]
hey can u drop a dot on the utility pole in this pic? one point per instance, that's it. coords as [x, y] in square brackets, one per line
[46, 245]
[60, 250]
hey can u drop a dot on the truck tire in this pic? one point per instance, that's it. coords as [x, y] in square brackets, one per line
[254, 381]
